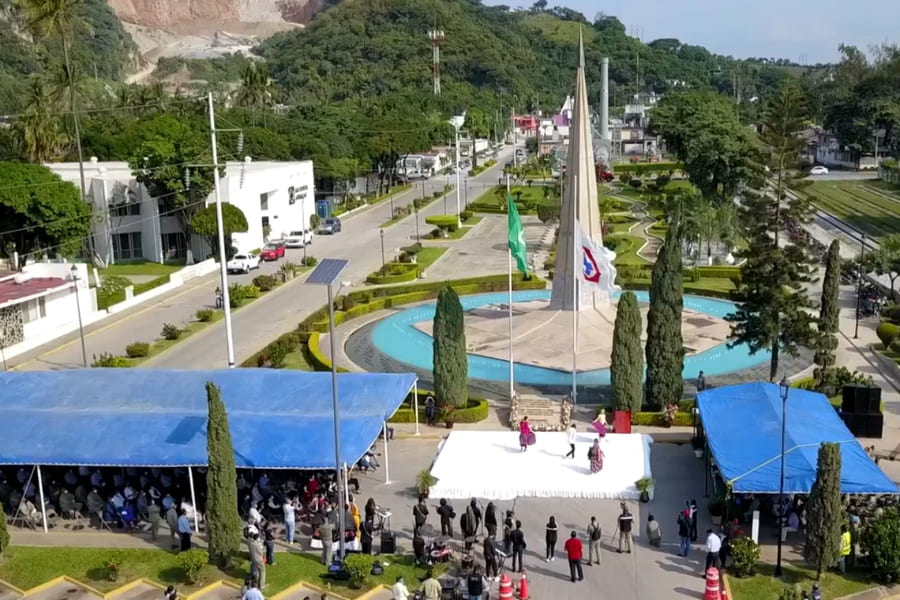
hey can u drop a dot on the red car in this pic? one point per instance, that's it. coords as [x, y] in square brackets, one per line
[272, 251]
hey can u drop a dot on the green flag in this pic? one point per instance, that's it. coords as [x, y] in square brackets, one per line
[516, 235]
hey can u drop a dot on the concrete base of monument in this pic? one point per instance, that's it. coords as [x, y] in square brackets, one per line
[542, 336]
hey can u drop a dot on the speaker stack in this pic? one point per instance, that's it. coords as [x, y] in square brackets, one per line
[861, 410]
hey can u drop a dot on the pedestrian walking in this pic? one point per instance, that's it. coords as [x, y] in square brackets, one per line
[550, 539]
[654, 533]
[526, 436]
[684, 531]
[713, 545]
[625, 523]
[594, 534]
[575, 553]
[517, 537]
[571, 436]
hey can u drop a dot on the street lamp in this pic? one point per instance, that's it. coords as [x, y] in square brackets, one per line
[75, 278]
[783, 387]
[457, 122]
[382, 250]
[859, 278]
[327, 273]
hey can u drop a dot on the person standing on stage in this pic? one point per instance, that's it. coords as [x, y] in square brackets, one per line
[526, 436]
[595, 455]
[571, 436]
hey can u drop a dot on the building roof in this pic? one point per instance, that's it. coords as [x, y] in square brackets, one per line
[143, 417]
[13, 293]
[743, 429]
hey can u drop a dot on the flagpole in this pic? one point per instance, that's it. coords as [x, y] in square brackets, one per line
[512, 386]
[575, 302]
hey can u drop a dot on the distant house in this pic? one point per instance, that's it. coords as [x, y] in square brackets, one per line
[829, 151]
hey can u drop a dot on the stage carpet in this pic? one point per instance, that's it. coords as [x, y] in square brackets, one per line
[489, 464]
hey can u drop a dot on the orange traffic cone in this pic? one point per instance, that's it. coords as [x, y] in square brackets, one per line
[506, 588]
[712, 584]
[523, 587]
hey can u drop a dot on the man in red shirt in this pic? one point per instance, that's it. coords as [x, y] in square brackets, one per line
[574, 551]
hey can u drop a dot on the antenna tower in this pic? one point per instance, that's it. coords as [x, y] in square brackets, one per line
[437, 39]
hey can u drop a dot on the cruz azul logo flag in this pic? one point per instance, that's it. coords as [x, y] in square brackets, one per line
[516, 236]
[597, 268]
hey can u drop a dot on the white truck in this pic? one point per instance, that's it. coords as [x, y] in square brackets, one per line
[243, 263]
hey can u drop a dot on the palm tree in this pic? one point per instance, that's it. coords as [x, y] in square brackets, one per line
[256, 88]
[59, 18]
[37, 132]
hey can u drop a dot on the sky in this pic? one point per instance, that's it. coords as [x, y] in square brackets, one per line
[792, 29]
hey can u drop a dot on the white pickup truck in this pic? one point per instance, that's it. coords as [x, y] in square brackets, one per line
[243, 263]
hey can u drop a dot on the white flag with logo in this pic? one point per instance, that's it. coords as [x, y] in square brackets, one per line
[597, 270]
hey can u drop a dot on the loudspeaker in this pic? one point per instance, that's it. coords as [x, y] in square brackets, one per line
[854, 398]
[873, 400]
[388, 542]
[874, 425]
[857, 424]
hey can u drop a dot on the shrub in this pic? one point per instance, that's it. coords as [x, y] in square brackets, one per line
[445, 222]
[624, 178]
[359, 566]
[140, 288]
[191, 563]
[635, 183]
[892, 313]
[310, 261]
[111, 290]
[745, 553]
[137, 350]
[265, 283]
[289, 267]
[252, 291]
[205, 315]
[107, 361]
[237, 293]
[880, 540]
[887, 333]
[278, 352]
[170, 332]
[466, 214]
[792, 592]
[112, 563]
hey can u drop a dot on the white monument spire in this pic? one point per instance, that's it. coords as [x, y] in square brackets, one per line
[579, 200]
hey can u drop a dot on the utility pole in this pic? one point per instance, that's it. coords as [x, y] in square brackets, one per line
[223, 264]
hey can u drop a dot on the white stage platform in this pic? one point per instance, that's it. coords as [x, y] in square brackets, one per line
[489, 464]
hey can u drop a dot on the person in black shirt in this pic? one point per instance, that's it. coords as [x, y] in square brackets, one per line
[490, 519]
[420, 516]
[625, 523]
[269, 535]
[517, 538]
[508, 526]
[475, 584]
[490, 557]
[447, 514]
[366, 537]
[550, 539]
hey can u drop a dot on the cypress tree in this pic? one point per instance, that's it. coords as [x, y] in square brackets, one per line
[223, 524]
[824, 514]
[4, 535]
[829, 323]
[450, 365]
[665, 347]
[627, 369]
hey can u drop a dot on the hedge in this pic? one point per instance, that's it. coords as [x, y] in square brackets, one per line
[655, 419]
[397, 272]
[448, 221]
[689, 288]
[476, 410]
[317, 359]
[140, 288]
[640, 169]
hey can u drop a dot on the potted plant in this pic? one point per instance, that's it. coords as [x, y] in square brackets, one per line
[424, 481]
[643, 486]
[698, 443]
[716, 511]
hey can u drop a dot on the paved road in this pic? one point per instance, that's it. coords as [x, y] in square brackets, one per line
[278, 312]
[845, 176]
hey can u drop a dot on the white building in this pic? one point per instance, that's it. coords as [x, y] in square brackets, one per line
[39, 304]
[276, 198]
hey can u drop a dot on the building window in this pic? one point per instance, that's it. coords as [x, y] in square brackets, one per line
[122, 210]
[127, 246]
[34, 310]
[264, 201]
[173, 246]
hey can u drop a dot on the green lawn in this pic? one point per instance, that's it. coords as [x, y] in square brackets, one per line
[27, 567]
[459, 233]
[140, 267]
[764, 586]
[872, 208]
[628, 255]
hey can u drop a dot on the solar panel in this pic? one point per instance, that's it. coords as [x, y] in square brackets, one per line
[328, 271]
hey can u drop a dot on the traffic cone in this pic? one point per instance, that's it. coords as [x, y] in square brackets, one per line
[505, 591]
[523, 587]
[712, 584]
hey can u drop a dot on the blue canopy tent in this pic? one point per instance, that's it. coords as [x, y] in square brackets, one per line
[743, 431]
[279, 419]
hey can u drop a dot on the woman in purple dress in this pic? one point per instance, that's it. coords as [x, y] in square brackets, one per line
[526, 436]
[595, 454]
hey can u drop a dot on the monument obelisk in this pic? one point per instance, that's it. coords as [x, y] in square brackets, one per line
[579, 205]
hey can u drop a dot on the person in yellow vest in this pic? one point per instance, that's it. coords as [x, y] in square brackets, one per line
[845, 549]
[354, 512]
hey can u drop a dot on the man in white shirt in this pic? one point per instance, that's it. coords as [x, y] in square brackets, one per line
[290, 519]
[399, 590]
[713, 545]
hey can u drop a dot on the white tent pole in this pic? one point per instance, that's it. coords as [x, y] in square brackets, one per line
[41, 496]
[194, 501]
[416, 404]
[387, 459]
[346, 484]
